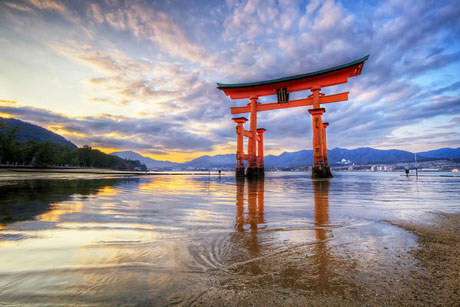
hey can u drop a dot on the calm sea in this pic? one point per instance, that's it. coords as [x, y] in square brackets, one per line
[164, 240]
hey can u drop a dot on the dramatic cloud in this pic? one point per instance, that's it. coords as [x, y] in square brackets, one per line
[151, 135]
[147, 23]
[7, 101]
[19, 7]
[48, 5]
[141, 74]
[127, 79]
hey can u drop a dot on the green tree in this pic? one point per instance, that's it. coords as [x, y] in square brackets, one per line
[64, 155]
[84, 156]
[28, 151]
[45, 155]
[9, 146]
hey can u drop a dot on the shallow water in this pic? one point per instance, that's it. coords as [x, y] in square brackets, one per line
[169, 239]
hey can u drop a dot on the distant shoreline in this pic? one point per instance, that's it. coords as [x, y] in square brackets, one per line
[103, 171]
[98, 171]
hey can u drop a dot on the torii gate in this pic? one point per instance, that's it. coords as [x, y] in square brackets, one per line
[314, 82]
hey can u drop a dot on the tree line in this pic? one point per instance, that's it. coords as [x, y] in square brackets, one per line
[49, 154]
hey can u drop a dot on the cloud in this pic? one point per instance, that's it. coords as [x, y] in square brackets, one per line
[94, 12]
[147, 23]
[57, 6]
[7, 101]
[19, 7]
[286, 38]
[48, 5]
[254, 18]
[106, 131]
[163, 60]
[115, 61]
[127, 79]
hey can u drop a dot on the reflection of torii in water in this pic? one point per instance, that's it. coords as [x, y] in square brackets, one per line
[255, 210]
[321, 192]
[255, 215]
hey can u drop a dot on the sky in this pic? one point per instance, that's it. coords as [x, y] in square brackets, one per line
[141, 75]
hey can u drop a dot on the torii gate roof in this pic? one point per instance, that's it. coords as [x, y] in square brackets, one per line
[322, 78]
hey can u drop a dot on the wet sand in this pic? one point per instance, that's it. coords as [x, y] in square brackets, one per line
[278, 280]
[438, 281]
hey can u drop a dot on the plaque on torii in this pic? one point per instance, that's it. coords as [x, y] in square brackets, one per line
[281, 87]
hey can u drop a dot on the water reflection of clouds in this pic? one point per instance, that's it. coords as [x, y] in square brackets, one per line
[108, 191]
[58, 210]
[47, 198]
[140, 238]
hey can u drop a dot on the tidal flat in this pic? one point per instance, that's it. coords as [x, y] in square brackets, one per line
[356, 239]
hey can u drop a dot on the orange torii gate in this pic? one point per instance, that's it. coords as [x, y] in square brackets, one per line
[314, 82]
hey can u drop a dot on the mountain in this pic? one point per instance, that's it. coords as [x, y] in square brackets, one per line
[211, 161]
[446, 153]
[204, 162]
[366, 155]
[298, 158]
[363, 155]
[29, 132]
[150, 163]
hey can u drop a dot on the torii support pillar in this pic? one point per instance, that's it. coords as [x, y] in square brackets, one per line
[260, 152]
[253, 169]
[320, 165]
[239, 172]
[325, 125]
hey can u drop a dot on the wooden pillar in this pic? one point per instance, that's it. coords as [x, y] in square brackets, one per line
[239, 171]
[325, 144]
[320, 166]
[317, 129]
[252, 171]
[260, 151]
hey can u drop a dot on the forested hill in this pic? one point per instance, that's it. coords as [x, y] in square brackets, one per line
[28, 145]
[28, 132]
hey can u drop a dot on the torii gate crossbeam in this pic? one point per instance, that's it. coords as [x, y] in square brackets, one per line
[314, 82]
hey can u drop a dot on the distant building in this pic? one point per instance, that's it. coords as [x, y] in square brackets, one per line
[344, 161]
